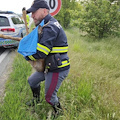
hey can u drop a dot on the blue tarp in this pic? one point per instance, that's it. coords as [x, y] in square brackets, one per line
[28, 45]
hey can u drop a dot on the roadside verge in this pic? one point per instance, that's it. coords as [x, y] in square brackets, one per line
[6, 60]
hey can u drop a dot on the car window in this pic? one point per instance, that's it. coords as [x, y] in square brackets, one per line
[16, 20]
[4, 21]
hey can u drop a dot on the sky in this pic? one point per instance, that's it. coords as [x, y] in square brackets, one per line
[15, 5]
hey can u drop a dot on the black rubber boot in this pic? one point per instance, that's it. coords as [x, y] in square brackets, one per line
[36, 96]
[57, 110]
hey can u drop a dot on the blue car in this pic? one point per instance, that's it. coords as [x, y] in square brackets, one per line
[11, 24]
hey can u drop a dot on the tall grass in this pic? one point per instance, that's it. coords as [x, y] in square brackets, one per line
[90, 92]
[97, 63]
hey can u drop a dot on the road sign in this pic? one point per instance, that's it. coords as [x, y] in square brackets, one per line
[55, 6]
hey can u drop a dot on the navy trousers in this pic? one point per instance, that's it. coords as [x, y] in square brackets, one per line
[52, 83]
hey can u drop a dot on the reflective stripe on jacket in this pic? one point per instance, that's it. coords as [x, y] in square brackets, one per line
[52, 40]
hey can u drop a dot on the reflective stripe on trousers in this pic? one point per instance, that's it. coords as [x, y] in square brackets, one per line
[52, 83]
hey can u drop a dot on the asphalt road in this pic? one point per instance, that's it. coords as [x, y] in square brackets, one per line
[6, 59]
[2, 50]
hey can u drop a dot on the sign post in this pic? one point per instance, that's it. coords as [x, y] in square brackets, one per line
[54, 5]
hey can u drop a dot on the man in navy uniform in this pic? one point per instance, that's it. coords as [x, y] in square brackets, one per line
[52, 47]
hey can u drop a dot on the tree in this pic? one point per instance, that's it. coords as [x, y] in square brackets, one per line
[115, 1]
[99, 18]
[64, 15]
[112, 1]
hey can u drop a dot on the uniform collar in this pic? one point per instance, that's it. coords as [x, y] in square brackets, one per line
[47, 18]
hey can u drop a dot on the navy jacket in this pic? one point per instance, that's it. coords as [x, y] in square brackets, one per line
[52, 40]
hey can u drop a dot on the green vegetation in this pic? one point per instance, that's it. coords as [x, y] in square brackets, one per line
[98, 18]
[90, 92]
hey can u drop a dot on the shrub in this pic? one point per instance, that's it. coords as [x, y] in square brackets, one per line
[99, 18]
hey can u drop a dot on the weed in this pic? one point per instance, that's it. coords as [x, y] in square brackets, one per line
[90, 92]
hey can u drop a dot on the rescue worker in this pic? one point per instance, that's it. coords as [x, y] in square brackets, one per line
[52, 47]
[28, 20]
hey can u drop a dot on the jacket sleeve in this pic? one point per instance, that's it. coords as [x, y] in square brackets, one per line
[46, 43]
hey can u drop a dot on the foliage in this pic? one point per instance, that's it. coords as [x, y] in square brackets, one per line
[64, 15]
[99, 18]
[76, 15]
[112, 0]
[115, 1]
[90, 92]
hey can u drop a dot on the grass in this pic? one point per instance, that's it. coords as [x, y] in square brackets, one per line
[90, 92]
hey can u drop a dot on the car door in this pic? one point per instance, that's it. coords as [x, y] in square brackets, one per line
[19, 26]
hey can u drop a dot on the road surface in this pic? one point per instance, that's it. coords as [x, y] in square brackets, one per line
[6, 60]
[2, 50]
